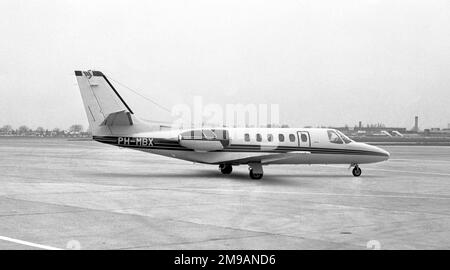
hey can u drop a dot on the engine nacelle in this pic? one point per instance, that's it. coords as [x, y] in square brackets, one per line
[202, 145]
[204, 140]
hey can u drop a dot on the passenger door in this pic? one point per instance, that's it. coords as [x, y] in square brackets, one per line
[304, 139]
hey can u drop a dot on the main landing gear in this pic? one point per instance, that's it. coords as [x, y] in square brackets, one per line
[225, 168]
[356, 170]
[255, 171]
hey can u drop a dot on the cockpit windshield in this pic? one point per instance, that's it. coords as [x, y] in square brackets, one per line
[344, 138]
[334, 137]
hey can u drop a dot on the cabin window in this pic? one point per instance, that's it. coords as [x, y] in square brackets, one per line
[281, 137]
[269, 137]
[292, 137]
[258, 137]
[304, 137]
[333, 137]
[247, 137]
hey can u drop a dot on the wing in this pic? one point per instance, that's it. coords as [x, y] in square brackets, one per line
[267, 158]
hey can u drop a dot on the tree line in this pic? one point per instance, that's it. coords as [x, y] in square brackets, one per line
[74, 130]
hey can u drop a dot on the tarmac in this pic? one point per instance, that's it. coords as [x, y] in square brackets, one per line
[61, 194]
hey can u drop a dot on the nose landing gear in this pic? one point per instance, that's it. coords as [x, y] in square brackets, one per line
[356, 170]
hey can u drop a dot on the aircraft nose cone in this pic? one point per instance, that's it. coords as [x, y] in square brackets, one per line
[380, 154]
[385, 153]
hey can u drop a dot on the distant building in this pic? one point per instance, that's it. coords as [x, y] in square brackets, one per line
[373, 130]
[380, 129]
[416, 124]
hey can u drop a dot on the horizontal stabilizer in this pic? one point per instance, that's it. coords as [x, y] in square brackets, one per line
[121, 118]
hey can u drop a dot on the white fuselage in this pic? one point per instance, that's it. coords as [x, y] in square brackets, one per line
[264, 145]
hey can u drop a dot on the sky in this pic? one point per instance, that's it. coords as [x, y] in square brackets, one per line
[327, 63]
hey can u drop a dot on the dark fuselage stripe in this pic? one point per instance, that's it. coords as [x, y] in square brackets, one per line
[161, 144]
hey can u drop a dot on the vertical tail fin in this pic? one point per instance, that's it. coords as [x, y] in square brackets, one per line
[101, 100]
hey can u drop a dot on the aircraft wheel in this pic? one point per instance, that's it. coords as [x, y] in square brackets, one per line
[356, 171]
[225, 168]
[255, 176]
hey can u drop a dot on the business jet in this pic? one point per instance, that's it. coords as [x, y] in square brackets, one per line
[113, 122]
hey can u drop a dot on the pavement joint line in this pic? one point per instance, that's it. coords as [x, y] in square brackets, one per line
[418, 160]
[206, 191]
[26, 243]
[173, 220]
[425, 173]
[311, 193]
[200, 241]
[387, 170]
[339, 243]
[43, 213]
[207, 224]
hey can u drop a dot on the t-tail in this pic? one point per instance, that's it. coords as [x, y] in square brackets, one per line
[108, 114]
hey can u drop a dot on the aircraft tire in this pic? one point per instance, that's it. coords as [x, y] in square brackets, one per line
[356, 171]
[225, 168]
[255, 176]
